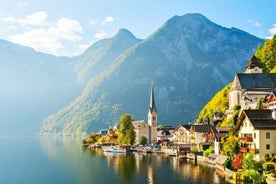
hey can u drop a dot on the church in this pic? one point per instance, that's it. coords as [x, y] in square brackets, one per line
[147, 129]
[250, 86]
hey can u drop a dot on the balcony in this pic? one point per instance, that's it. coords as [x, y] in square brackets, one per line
[246, 139]
[243, 149]
[252, 150]
[248, 150]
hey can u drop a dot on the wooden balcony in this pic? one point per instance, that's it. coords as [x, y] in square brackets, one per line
[248, 150]
[246, 139]
[243, 150]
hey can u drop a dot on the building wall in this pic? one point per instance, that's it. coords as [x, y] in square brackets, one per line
[267, 141]
[260, 141]
[182, 136]
[152, 121]
[234, 98]
[141, 130]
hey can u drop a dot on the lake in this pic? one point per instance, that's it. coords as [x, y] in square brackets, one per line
[57, 160]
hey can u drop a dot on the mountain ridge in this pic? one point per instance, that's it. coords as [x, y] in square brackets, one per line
[176, 57]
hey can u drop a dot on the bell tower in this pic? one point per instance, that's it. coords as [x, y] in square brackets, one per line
[152, 118]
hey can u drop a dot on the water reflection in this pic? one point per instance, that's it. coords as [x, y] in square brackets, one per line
[96, 167]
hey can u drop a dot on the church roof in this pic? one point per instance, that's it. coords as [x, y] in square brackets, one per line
[137, 123]
[254, 62]
[261, 81]
[152, 101]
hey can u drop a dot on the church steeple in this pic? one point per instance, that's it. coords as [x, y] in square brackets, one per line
[152, 117]
[152, 101]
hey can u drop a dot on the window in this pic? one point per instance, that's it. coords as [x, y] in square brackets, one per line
[254, 135]
[267, 135]
[268, 146]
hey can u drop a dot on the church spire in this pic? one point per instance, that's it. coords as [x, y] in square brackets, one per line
[152, 101]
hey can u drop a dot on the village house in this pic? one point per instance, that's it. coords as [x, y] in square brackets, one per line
[164, 134]
[199, 136]
[181, 134]
[221, 132]
[254, 92]
[250, 87]
[257, 132]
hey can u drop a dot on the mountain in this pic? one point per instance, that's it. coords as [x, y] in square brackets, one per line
[189, 59]
[33, 85]
[100, 55]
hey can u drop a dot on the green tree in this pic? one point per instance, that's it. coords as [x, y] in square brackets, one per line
[219, 102]
[248, 162]
[126, 131]
[143, 140]
[267, 54]
[208, 151]
[231, 146]
[260, 103]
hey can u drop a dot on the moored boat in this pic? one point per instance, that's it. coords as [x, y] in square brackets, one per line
[114, 150]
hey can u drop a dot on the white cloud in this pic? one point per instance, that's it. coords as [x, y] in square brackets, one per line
[254, 22]
[35, 19]
[101, 34]
[46, 37]
[257, 24]
[273, 30]
[107, 20]
[94, 22]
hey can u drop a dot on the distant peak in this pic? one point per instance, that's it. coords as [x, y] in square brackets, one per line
[189, 16]
[124, 33]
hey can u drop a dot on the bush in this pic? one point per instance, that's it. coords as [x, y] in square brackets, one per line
[208, 151]
[268, 167]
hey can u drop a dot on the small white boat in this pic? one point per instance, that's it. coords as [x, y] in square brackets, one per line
[114, 150]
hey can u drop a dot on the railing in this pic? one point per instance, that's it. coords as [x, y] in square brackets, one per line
[246, 139]
[244, 150]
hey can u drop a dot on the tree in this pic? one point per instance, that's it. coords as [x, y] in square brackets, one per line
[208, 151]
[248, 162]
[231, 146]
[260, 103]
[267, 54]
[143, 140]
[126, 131]
[218, 102]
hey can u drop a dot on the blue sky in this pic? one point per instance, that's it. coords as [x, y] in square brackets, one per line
[68, 27]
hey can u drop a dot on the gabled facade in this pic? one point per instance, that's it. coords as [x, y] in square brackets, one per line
[254, 66]
[251, 86]
[141, 129]
[199, 135]
[257, 132]
[181, 134]
[247, 89]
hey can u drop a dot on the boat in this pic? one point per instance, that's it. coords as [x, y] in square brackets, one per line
[114, 150]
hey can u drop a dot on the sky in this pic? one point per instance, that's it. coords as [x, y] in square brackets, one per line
[68, 27]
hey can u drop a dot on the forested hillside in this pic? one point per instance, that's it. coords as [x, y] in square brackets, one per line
[266, 53]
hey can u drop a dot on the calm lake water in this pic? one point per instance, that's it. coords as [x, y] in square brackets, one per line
[39, 160]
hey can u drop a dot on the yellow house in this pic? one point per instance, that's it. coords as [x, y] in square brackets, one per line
[257, 132]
